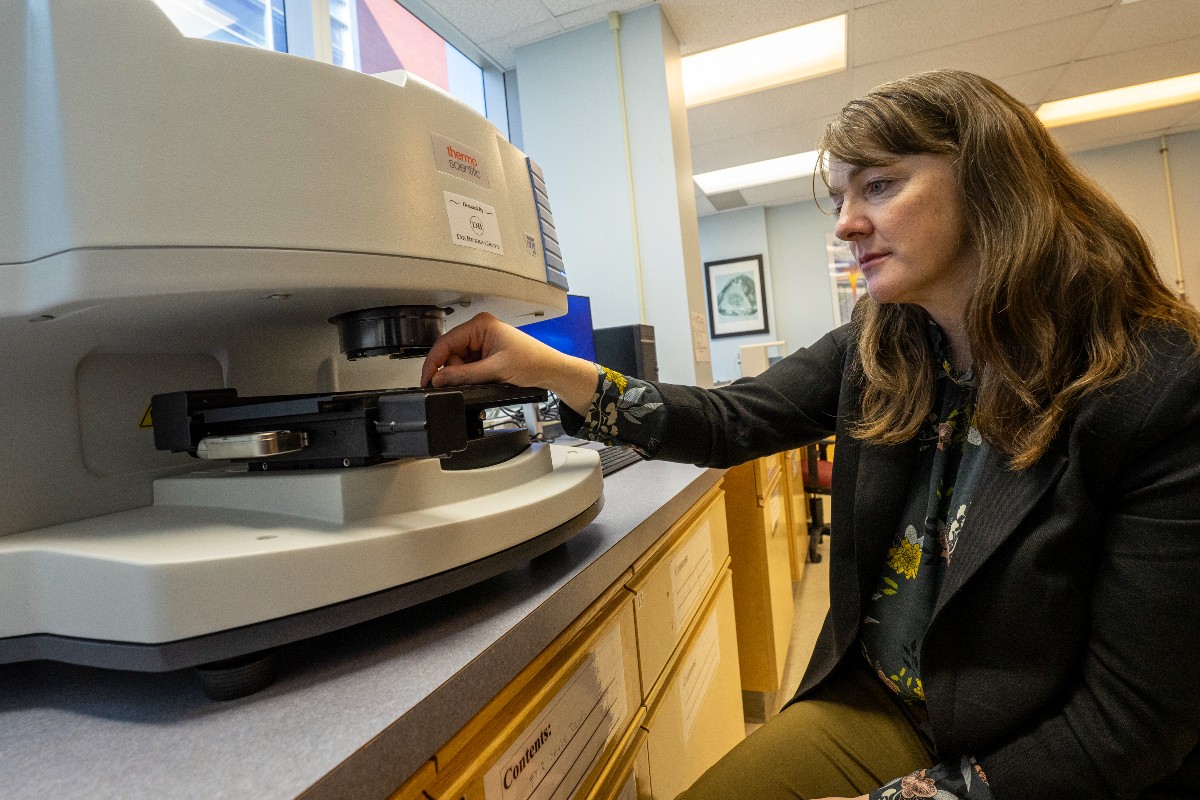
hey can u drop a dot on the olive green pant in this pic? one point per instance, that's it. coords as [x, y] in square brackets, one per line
[846, 739]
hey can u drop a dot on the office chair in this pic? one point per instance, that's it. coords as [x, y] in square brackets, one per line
[818, 476]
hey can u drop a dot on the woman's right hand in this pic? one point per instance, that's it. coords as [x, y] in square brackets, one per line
[485, 350]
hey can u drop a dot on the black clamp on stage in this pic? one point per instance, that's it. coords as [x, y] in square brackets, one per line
[341, 429]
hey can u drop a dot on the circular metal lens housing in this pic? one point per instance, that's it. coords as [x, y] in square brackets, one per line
[394, 331]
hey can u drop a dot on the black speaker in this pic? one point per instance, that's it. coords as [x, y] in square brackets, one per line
[629, 349]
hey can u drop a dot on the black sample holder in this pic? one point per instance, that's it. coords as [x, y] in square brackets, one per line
[349, 429]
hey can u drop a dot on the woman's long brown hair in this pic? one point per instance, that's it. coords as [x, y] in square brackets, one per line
[1067, 283]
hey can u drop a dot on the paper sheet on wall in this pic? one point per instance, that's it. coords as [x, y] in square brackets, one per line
[700, 338]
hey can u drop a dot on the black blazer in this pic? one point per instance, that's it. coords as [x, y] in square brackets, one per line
[1064, 650]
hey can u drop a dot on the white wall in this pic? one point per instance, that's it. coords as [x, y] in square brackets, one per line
[571, 124]
[1133, 174]
[797, 235]
[792, 239]
[583, 157]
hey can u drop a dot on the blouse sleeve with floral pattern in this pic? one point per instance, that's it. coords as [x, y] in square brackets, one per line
[961, 780]
[623, 411]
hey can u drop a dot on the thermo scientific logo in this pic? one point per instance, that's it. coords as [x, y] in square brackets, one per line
[514, 770]
[457, 159]
[459, 156]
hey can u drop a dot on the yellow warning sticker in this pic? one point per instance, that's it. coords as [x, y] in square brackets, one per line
[147, 420]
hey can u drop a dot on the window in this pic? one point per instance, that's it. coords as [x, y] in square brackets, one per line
[369, 36]
[258, 23]
[375, 36]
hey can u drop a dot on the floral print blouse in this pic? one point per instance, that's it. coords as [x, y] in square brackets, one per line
[629, 411]
[934, 519]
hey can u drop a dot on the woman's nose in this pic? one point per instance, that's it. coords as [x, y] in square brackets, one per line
[851, 224]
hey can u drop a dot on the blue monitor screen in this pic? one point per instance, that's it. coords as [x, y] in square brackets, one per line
[570, 333]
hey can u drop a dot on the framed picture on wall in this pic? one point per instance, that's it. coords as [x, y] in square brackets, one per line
[737, 296]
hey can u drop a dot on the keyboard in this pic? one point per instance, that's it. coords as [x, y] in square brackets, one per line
[613, 458]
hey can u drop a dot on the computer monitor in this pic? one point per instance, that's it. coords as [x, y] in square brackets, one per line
[570, 333]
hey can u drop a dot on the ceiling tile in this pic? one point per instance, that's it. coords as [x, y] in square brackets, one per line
[783, 105]
[1130, 27]
[996, 57]
[726, 201]
[1130, 67]
[594, 12]
[746, 148]
[1131, 127]
[774, 194]
[482, 21]
[560, 7]
[892, 30]
[502, 49]
[704, 24]
[1032, 88]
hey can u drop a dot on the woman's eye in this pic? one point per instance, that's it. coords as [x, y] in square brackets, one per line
[876, 186]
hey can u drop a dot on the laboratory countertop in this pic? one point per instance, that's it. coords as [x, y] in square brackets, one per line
[353, 713]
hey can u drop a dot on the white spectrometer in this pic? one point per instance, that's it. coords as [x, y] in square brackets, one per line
[193, 470]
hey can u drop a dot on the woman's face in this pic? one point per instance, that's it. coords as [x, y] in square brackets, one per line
[905, 226]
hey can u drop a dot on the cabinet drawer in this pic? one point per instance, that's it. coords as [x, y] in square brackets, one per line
[766, 470]
[793, 473]
[762, 580]
[779, 571]
[696, 717]
[672, 581]
[559, 729]
[628, 774]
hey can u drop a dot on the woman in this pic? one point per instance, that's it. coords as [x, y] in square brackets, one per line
[1017, 487]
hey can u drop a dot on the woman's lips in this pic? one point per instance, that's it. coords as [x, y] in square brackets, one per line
[869, 260]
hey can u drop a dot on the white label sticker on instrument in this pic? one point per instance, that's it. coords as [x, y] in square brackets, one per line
[473, 224]
[455, 158]
[698, 672]
[556, 752]
[691, 572]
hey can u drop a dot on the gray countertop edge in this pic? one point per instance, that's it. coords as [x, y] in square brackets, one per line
[382, 765]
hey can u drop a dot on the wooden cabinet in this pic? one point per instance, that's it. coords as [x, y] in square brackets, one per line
[671, 581]
[759, 546]
[414, 787]
[558, 724]
[696, 717]
[627, 776]
[634, 700]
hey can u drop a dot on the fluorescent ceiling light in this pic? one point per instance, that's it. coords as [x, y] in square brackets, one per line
[759, 173]
[808, 51]
[1115, 102]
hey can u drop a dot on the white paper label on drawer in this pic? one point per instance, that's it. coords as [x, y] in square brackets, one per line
[629, 790]
[555, 753]
[697, 674]
[776, 509]
[691, 572]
